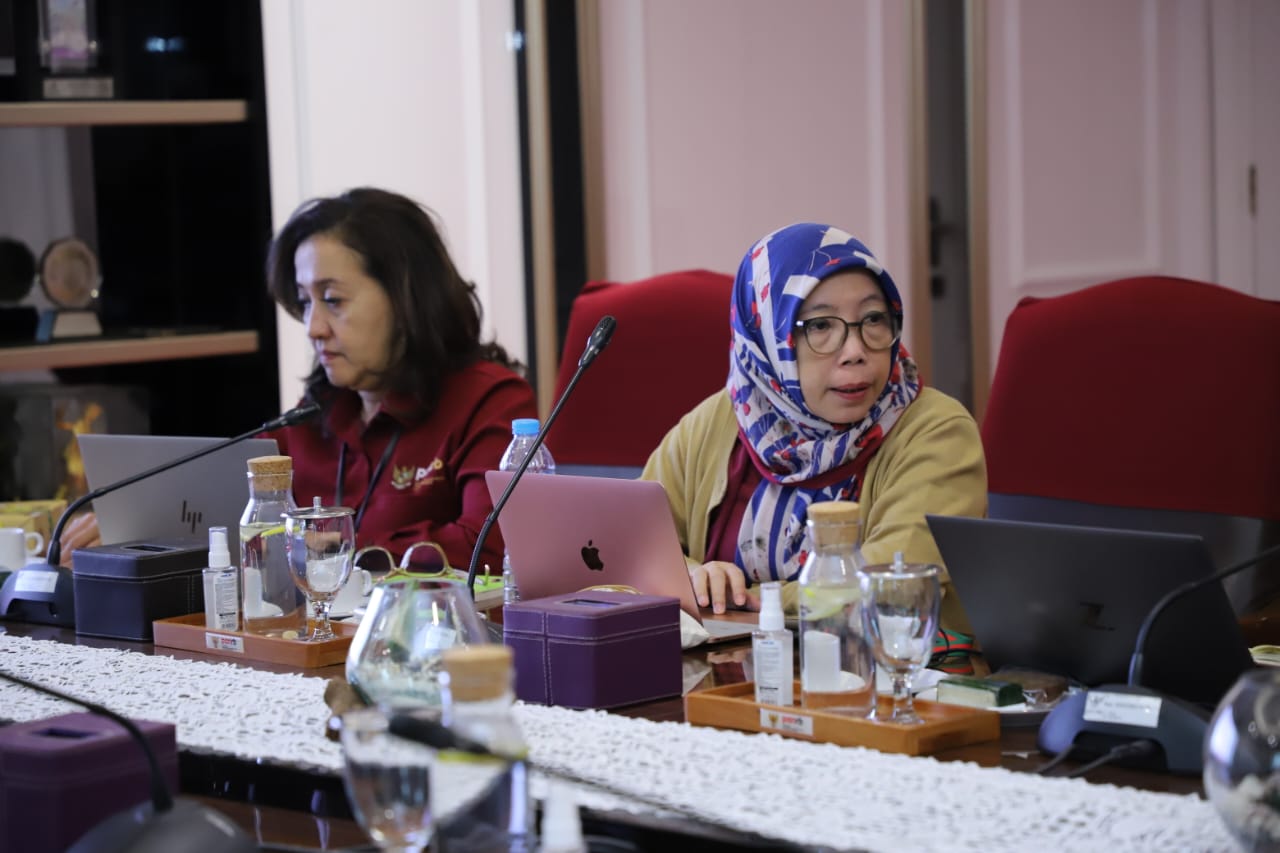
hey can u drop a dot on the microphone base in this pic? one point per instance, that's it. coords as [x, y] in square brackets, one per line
[1104, 717]
[188, 827]
[39, 593]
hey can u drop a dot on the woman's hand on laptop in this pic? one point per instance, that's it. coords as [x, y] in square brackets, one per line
[81, 532]
[717, 583]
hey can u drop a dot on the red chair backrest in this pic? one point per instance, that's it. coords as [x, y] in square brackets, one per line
[1151, 392]
[670, 350]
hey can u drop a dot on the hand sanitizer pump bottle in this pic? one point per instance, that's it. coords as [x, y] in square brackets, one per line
[837, 668]
[221, 587]
[772, 651]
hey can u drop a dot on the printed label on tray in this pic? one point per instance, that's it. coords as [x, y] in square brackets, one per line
[1125, 709]
[224, 643]
[796, 724]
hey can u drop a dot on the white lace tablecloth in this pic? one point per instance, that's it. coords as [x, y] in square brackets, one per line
[811, 794]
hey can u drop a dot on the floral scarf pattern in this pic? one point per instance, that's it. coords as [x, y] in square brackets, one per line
[803, 458]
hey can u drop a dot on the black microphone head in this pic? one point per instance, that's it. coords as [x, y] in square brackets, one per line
[599, 339]
[301, 414]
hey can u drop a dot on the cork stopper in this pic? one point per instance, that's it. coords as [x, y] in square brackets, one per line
[834, 512]
[834, 523]
[271, 473]
[477, 673]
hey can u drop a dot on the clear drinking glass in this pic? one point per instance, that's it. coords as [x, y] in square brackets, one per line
[388, 781]
[900, 607]
[394, 659]
[320, 541]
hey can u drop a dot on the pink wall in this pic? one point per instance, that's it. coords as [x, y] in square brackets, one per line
[1100, 145]
[726, 119]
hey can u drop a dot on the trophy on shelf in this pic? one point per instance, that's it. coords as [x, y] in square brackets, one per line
[70, 51]
[70, 277]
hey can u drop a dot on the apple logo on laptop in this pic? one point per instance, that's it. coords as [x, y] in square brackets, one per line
[591, 556]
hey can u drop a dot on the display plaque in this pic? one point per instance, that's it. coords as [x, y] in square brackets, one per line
[70, 51]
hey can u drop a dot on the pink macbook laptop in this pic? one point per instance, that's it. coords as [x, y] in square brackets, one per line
[565, 533]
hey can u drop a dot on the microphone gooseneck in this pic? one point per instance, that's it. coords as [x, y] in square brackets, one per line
[161, 799]
[1137, 661]
[599, 339]
[293, 416]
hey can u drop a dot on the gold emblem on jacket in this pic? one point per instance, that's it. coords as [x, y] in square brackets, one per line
[416, 477]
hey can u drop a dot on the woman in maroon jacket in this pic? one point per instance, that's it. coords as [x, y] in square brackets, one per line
[415, 407]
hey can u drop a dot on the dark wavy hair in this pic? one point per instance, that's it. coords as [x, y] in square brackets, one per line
[436, 313]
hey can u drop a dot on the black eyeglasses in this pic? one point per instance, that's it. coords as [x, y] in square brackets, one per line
[826, 335]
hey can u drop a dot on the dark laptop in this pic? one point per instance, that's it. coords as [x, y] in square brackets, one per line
[1070, 600]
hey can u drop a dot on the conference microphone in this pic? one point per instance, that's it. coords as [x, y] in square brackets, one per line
[427, 730]
[162, 824]
[44, 591]
[596, 343]
[1105, 718]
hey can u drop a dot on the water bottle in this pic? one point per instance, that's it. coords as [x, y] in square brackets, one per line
[837, 668]
[523, 432]
[271, 603]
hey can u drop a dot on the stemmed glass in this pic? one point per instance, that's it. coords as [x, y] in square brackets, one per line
[394, 659]
[387, 780]
[320, 541]
[900, 611]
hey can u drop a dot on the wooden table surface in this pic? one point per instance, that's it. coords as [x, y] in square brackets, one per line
[293, 810]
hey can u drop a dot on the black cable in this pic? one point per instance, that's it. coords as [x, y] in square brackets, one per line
[1133, 749]
[1056, 760]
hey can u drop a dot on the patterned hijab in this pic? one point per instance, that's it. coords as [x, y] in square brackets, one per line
[803, 458]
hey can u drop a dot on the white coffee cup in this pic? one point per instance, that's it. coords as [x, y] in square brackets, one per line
[16, 548]
[353, 592]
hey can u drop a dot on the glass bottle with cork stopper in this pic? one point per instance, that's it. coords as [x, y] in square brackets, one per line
[837, 667]
[271, 604]
[489, 806]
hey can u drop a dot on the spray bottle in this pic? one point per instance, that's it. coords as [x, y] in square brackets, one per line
[221, 598]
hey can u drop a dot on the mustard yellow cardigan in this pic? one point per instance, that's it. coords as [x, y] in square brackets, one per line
[931, 462]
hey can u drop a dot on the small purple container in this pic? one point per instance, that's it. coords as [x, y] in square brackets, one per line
[62, 776]
[595, 649]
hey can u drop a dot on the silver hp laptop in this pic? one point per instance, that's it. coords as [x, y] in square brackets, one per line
[566, 533]
[182, 502]
[1070, 600]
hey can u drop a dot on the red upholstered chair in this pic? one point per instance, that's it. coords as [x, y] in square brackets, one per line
[670, 350]
[1149, 403]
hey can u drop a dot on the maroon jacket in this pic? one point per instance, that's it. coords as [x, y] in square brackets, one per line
[432, 487]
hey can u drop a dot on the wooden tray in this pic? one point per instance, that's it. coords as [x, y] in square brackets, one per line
[189, 632]
[733, 707]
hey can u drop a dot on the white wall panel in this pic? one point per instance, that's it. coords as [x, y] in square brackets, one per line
[414, 97]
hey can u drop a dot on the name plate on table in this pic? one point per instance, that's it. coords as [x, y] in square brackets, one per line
[1123, 709]
[36, 581]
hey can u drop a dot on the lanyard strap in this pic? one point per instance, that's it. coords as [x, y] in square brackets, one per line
[373, 480]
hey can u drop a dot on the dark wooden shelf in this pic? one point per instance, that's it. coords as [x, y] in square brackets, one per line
[88, 353]
[64, 113]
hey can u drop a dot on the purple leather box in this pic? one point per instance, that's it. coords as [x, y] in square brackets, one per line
[62, 776]
[595, 649]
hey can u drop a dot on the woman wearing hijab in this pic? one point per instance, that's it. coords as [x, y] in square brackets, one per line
[822, 403]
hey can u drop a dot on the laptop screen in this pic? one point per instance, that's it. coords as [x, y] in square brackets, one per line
[1070, 600]
[183, 502]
